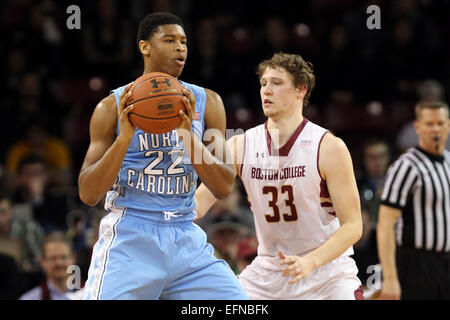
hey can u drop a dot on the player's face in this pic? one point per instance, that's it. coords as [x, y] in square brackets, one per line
[168, 50]
[432, 128]
[278, 94]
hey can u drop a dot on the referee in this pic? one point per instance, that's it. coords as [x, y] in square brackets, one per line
[416, 196]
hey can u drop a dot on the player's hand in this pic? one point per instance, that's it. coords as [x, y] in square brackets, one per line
[127, 128]
[295, 266]
[390, 289]
[188, 116]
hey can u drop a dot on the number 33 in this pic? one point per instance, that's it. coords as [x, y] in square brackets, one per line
[275, 217]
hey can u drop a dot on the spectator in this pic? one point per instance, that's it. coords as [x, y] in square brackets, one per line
[235, 206]
[277, 37]
[208, 59]
[376, 159]
[82, 230]
[54, 152]
[33, 188]
[403, 52]
[23, 106]
[338, 68]
[23, 236]
[107, 42]
[56, 258]
[224, 234]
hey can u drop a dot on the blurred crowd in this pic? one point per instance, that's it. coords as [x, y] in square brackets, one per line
[367, 82]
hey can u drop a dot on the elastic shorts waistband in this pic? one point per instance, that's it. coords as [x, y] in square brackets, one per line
[168, 218]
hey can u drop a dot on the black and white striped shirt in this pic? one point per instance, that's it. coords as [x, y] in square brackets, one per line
[418, 183]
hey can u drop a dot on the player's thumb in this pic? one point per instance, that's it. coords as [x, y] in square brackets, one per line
[128, 109]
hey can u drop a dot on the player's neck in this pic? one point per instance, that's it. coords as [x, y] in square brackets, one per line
[149, 68]
[283, 128]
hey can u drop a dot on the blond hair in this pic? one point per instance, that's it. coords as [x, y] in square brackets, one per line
[300, 70]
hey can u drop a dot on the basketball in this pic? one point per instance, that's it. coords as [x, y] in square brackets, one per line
[157, 98]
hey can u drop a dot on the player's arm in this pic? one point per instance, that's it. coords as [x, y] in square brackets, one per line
[211, 166]
[203, 196]
[335, 165]
[106, 151]
[387, 217]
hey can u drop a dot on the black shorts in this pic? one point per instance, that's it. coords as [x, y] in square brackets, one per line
[423, 274]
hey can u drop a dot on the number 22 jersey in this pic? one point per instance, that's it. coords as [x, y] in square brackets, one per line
[157, 174]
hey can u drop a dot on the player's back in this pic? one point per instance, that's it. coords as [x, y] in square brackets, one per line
[290, 201]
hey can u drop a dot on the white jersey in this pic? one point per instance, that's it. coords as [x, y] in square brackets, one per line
[292, 208]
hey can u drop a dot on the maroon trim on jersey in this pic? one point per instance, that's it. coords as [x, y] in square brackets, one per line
[318, 152]
[324, 190]
[359, 293]
[326, 204]
[324, 193]
[284, 150]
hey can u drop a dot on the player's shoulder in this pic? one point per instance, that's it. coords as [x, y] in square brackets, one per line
[256, 130]
[107, 103]
[237, 139]
[213, 96]
[196, 89]
[105, 112]
[332, 146]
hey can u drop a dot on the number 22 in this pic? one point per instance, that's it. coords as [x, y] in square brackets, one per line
[173, 169]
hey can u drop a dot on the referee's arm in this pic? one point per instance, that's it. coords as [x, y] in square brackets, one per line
[387, 217]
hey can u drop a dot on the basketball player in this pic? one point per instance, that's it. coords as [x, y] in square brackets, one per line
[148, 246]
[302, 191]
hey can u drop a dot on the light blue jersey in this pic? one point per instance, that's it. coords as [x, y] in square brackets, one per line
[156, 173]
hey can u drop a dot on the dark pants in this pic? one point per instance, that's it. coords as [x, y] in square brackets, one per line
[423, 275]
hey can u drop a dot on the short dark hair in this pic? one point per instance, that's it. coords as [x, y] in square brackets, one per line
[300, 70]
[429, 105]
[150, 24]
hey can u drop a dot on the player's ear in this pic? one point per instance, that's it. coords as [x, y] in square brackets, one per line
[301, 91]
[144, 47]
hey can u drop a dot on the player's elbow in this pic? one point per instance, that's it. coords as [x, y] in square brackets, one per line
[86, 196]
[354, 231]
[223, 192]
[357, 233]
[88, 200]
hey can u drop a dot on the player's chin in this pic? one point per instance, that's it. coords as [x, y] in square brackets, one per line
[176, 70]
[268, 112]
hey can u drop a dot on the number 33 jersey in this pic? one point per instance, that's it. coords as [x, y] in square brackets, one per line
[291, 205]
[157, 174]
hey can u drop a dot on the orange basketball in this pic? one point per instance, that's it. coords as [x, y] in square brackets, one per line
[157, 98]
